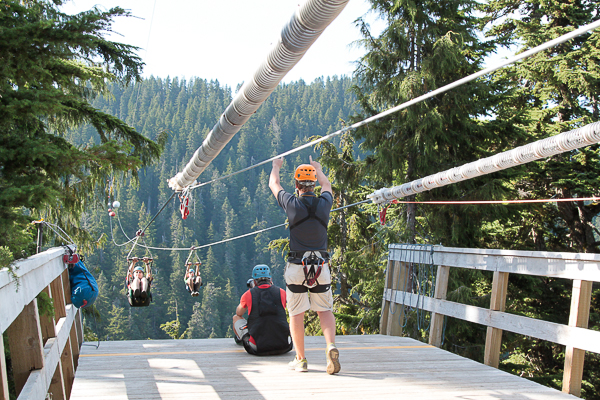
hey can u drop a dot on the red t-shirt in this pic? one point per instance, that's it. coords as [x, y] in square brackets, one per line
[246, 300]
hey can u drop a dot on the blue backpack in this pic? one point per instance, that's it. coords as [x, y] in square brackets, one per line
[84, 289]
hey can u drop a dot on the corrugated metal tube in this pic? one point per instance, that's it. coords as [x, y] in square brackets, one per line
[567, 141]
[304, 27]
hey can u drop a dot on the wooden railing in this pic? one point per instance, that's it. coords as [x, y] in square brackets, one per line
[583, 269]
[43, 350]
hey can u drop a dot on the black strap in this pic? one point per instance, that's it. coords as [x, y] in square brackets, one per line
[312, 213]
[300, 254]
[304, 289]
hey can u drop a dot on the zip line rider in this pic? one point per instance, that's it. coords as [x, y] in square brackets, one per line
[267, 331]
[307, 268]
[139, 285]
[192, 279]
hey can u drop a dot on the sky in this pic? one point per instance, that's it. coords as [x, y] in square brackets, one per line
[227, 40]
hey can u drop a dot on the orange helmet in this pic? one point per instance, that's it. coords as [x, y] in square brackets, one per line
[306, 172]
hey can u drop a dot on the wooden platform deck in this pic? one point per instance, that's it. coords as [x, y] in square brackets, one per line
[373, 366]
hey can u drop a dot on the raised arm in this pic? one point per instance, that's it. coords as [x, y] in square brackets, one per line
[274, 183]
[325, 184]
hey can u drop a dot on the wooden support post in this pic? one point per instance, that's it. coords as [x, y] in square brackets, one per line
[68, 370]
[66, 286]
[25, 343]
[79, 324]
[3, 372]
[385, 305]
[396, 316]
[58, 296]
[437, 320]
[57, 385]
[47, 322]
[579, 317]
[493, 337]
[74, 344]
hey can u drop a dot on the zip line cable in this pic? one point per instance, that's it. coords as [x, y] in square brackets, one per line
[577, 32]
[594, 199]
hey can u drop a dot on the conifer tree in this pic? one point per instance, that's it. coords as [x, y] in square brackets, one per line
[51, 66]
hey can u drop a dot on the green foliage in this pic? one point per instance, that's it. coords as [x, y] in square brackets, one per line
[52, 65]
[45, 305]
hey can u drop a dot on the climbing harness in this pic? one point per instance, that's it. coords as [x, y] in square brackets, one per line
[188, 267]
[189, 263]
[133, 300]
[184, 199]
[312, 266]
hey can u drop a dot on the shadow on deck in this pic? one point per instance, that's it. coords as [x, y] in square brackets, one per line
[373, 366]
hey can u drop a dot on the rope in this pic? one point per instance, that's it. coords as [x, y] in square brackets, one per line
[66, 238]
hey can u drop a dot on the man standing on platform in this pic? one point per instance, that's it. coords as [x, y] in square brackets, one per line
[307, 268]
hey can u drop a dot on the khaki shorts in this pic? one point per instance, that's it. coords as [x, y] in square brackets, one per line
[298, 303]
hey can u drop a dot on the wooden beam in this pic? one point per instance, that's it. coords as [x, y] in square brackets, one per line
[79, 324]
[579, 317]
[437, 320]
[68, 370]
[32, 276]
[74, 344]
[58, 295]
[25, 343]
[585, 339]
[66, 286]
[3, 372]
[57, 385]
[396, 312]
[493, 338]
[584, 266]
[385, 305]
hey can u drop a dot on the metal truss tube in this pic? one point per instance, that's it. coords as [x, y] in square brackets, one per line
[567, 141]
[303, 28]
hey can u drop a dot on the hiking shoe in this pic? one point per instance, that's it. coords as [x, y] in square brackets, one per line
[136, 293]
[299, 365]
[333, 360]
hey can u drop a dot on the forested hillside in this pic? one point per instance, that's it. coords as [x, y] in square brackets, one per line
[186, 111]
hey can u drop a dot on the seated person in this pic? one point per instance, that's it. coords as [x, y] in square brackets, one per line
[138, 284]
[192, 279]
[267, 331]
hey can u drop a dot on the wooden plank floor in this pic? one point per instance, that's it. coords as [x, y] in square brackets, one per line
[373, 366]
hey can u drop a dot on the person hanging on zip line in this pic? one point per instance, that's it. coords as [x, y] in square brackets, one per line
[137, 283]
[192, 279]
[266, 332]
[307, 268]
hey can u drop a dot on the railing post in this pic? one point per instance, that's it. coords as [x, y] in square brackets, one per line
[3, 373]
[493, 337]
[25, 343]
[396, 319]
[57, 384]
[385, 305]
[437, 320]
[579, 317]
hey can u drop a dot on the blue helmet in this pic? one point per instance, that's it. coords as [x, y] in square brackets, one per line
[138, 268]
[261, 271]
